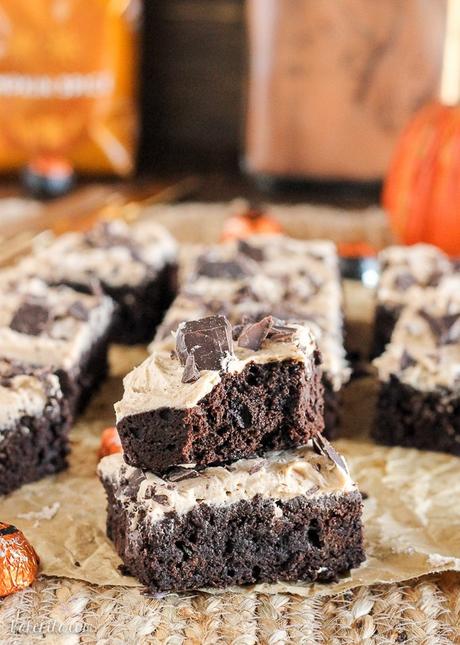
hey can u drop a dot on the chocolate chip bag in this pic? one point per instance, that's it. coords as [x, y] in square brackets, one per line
[68, 72]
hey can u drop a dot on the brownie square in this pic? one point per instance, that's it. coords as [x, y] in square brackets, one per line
[134, 265]
[293, 280]
[262, 398]
[59, 328]
[405, 274]
[252, 521]
[34, 424]
[419, 372]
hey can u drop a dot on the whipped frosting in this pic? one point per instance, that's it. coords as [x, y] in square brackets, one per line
[157, 382]
[406, 271]
[278, 476]
[66, 337]
[294, 279]
[416, 354]
[128, 257]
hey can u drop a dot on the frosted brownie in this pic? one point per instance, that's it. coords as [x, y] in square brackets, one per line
[135, 265]
[293, 280]
[294, 515]
[419, 372]
[214, 399]
[59, 328]
[405, 272]
[34, 424]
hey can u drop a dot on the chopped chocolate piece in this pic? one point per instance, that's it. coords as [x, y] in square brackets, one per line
[444, 328]
[322, 446]
[79, 311]
[281, 333]
[238, 268]
[253, 335]
[253, 252]
[191, 372]
[30, 319]
[407, 360]
[208, 339]
[179, 473]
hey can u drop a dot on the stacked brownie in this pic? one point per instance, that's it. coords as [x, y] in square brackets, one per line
[406, 271]
[34, 423]
[229, 479]
[419, 372]
[58, 328]
[292, 280]
[134, 265]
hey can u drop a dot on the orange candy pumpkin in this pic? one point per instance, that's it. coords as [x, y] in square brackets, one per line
[18, 560]
[251, 222]
[422, 189]
[110, 443]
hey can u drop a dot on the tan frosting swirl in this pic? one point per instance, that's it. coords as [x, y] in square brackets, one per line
[278, 476]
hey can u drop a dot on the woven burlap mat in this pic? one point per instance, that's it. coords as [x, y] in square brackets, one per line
[63, 611]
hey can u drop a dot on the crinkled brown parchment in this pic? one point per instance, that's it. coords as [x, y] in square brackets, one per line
[411, 514]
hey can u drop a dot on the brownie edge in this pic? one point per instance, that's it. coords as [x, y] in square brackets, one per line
[270, 406]
[259, 540]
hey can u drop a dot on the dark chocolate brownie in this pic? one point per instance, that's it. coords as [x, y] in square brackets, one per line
[264, 397]
[419, 372]
[247, 523]
[34, 424]
[134, 265]
[56, 327]
[294, 280]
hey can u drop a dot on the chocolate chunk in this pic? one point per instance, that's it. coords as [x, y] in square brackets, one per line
[281, 333]
[444, 328]
[179, 473]
[234, 269]
[161, 499]
[208, 339]
[134, 482]
[79, 311]
[404, 280]
[30, 319]
[406, 360]
[191, 372]
[253, 252]
[252, 336]
[323, 447]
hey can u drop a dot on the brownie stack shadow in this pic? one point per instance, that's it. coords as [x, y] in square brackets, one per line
[226, 478]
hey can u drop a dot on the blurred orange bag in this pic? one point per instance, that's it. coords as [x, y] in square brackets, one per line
[68, 72]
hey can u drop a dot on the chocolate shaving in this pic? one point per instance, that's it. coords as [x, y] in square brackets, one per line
[191, 372]
[209, 340]
[253, 335]
[179, 474]
[79, 311]
[30, 319]
[406, 360]
[253, 252]
[443, 328]
[233, 270]
[323, 447]
[404, 280]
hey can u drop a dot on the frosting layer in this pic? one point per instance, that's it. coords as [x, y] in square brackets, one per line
[113, 253]
[278, 476]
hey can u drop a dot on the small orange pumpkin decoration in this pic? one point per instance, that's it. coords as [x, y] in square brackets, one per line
[18, 560]
[251, 222]
[110, 443]
[422, 190]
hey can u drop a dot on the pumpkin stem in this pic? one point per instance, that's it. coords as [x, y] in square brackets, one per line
[450, 79]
